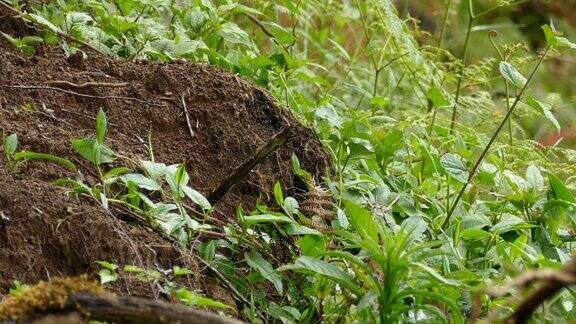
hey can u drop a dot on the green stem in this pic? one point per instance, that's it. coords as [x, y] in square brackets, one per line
[494, 136]
[461, 74]
[444, 23]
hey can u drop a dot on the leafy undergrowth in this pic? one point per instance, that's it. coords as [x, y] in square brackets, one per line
[437, 196]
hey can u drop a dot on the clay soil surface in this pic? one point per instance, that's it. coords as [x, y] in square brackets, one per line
[45, 233]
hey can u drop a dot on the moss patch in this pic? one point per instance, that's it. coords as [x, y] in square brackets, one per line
[46, 295]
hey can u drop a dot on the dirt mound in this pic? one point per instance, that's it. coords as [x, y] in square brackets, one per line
[44, 233]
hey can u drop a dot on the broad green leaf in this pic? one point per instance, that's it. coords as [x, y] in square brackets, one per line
[362, 221]
[154, 170]
[297, 229]
[107, 265]
[278, 195]
[181, 271]
[101, 125]
[434, 274]
[512, 75]
[455, 167]
[141, 181]
[534, 177]
[92, 151]
[191, 299]
[543, 110]
[267, 218]
[559, 189]
[324, 269]
[474, 234]
[27, 155]
[176, 177]
[197, 198]
[312, 245]
[551, 39]
[42, 21]
[107, 276]
[564, 42]
[257, 262]
[231, 33]
[10, 144]
[437, 97]
[290, 205]
[283, 36]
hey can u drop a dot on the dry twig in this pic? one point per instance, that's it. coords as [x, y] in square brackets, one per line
[183, 98]
[33, 87]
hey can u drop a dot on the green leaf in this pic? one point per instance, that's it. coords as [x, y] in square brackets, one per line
[267, 218]
[27, 155]
[101, 125]
[512, 75]
[290, 205]
[92, 151]
[551, 40]
[559, 189]
[326, 270]
[312, 245]
[177, 178]
[191, 299]
[197, 198]
[257, 262]
[14, 41]
[107, 276]
[454, 166]
[181, 271]
[42, 21]
[278, 195]
[154, 170]
[543, 110]
[362, 221]
[10, 144]
[141, 181]
[107, 265]
[231, 33]
[534, 177]
[563, 42]
[437, 97]
[474, 234]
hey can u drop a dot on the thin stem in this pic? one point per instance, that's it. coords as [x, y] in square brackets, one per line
[461, 74]
[444, 23]
[491, 35]
[494, 136]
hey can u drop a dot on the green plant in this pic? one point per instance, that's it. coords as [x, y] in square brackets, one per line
[430, 206]
[10, 144]
[109, 274]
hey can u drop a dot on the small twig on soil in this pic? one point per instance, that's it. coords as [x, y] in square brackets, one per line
[60, 84]
[29, 87]
[183, 98]
[59, 33]
[249, 164]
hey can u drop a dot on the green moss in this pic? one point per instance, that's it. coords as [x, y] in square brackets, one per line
[46, 295]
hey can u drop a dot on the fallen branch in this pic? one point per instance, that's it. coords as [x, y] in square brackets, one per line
[566, 276]
[252, 161]
[32, 87]
[119, 309]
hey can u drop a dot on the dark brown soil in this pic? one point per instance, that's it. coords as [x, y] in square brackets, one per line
[49, 234]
